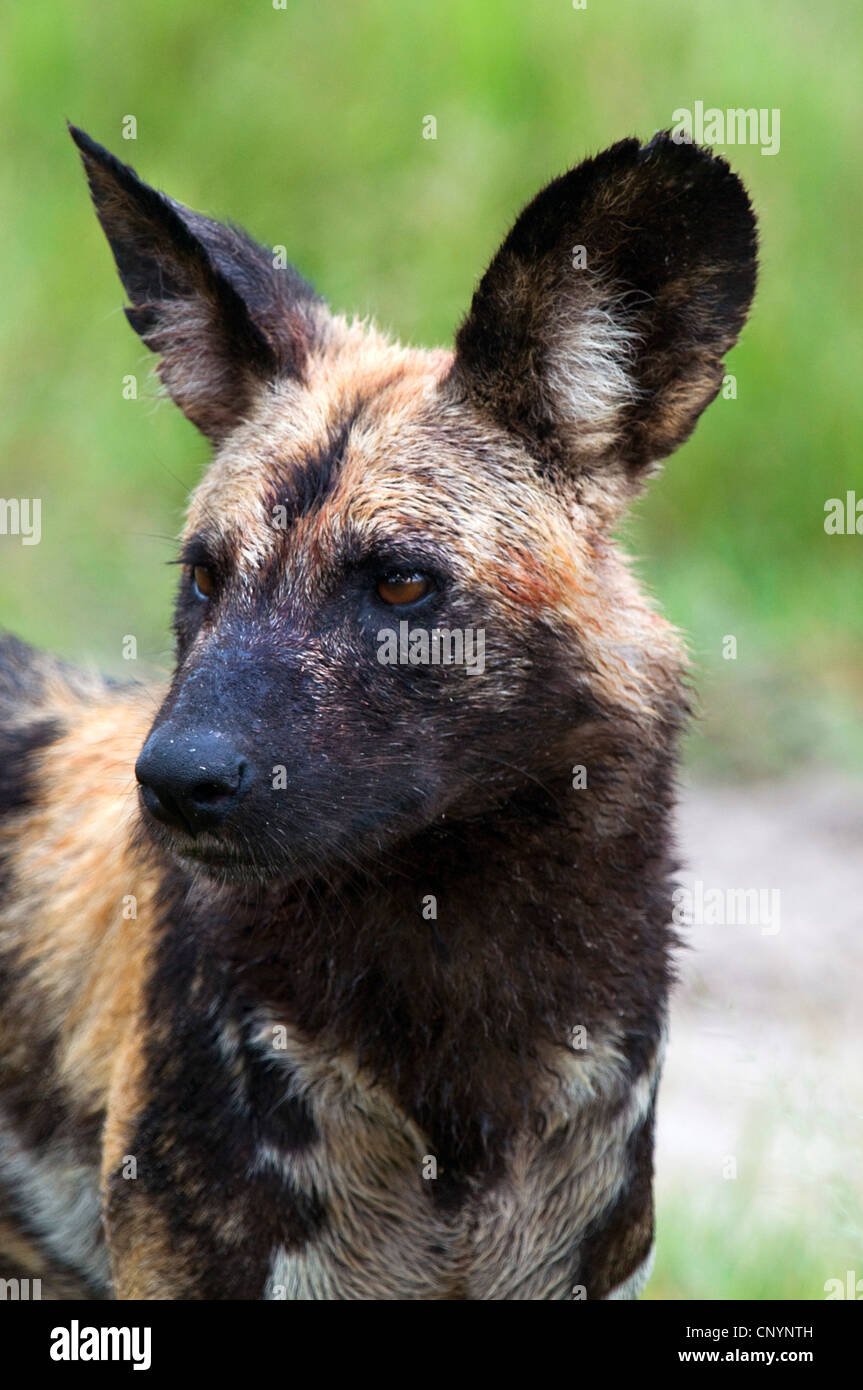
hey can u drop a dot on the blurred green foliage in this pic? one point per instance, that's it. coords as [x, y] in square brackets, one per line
[735, 1253]
[306, 125]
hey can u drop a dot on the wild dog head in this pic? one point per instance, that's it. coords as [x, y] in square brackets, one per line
[362, 495]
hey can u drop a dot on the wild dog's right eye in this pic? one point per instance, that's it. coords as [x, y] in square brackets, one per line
[397, 588]
[203, 581]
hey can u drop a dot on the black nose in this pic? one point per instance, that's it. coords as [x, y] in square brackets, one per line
[191, 780]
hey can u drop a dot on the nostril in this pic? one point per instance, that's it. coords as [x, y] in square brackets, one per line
[220, 787]
[163, 807]
[204, 792]
[190, 780]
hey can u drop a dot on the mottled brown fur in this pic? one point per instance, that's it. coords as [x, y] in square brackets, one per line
[281, 1041]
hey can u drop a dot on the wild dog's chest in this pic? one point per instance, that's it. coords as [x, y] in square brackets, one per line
[389, 1231]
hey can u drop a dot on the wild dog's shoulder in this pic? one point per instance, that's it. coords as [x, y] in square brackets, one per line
[44, 702]
[78, 910]
[29, 676]
[26, 726]
[76, 883]
[41, 700]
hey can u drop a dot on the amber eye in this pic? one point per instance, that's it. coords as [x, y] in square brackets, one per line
[203, 580]
[403, 588]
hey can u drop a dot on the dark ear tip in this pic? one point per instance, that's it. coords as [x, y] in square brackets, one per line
[96, 157]
[104, 170]
[665, 146]
[686, 154]
[85, 144]
[711, 178]
[93, 155]
[677, 157]
[686, 151]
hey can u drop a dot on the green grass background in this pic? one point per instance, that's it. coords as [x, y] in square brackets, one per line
[306, 125]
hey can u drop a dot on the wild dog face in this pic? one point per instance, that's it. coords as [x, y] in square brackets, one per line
[358, 486]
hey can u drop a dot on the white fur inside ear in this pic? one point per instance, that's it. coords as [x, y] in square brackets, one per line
[589, 376]
[633, 1287]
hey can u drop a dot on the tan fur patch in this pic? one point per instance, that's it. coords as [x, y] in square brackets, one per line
[85, 961]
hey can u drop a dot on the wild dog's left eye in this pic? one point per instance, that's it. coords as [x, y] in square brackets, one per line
[203, 580]
[404, 588]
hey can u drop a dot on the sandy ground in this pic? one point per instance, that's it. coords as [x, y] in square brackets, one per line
[764, 1070]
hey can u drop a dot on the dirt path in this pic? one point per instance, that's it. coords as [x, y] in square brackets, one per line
[765, 1061]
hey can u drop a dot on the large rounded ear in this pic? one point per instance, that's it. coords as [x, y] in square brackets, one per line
[598, 331]
[223, 316]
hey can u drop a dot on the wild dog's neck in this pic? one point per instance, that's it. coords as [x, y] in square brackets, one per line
[454, 972]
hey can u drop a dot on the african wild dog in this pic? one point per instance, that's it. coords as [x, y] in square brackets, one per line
[388, 1020]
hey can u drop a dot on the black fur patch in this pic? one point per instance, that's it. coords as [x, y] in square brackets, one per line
[209, 1111]
[619, 1240]
[21, 686]
[307, 486]
[18, 747]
